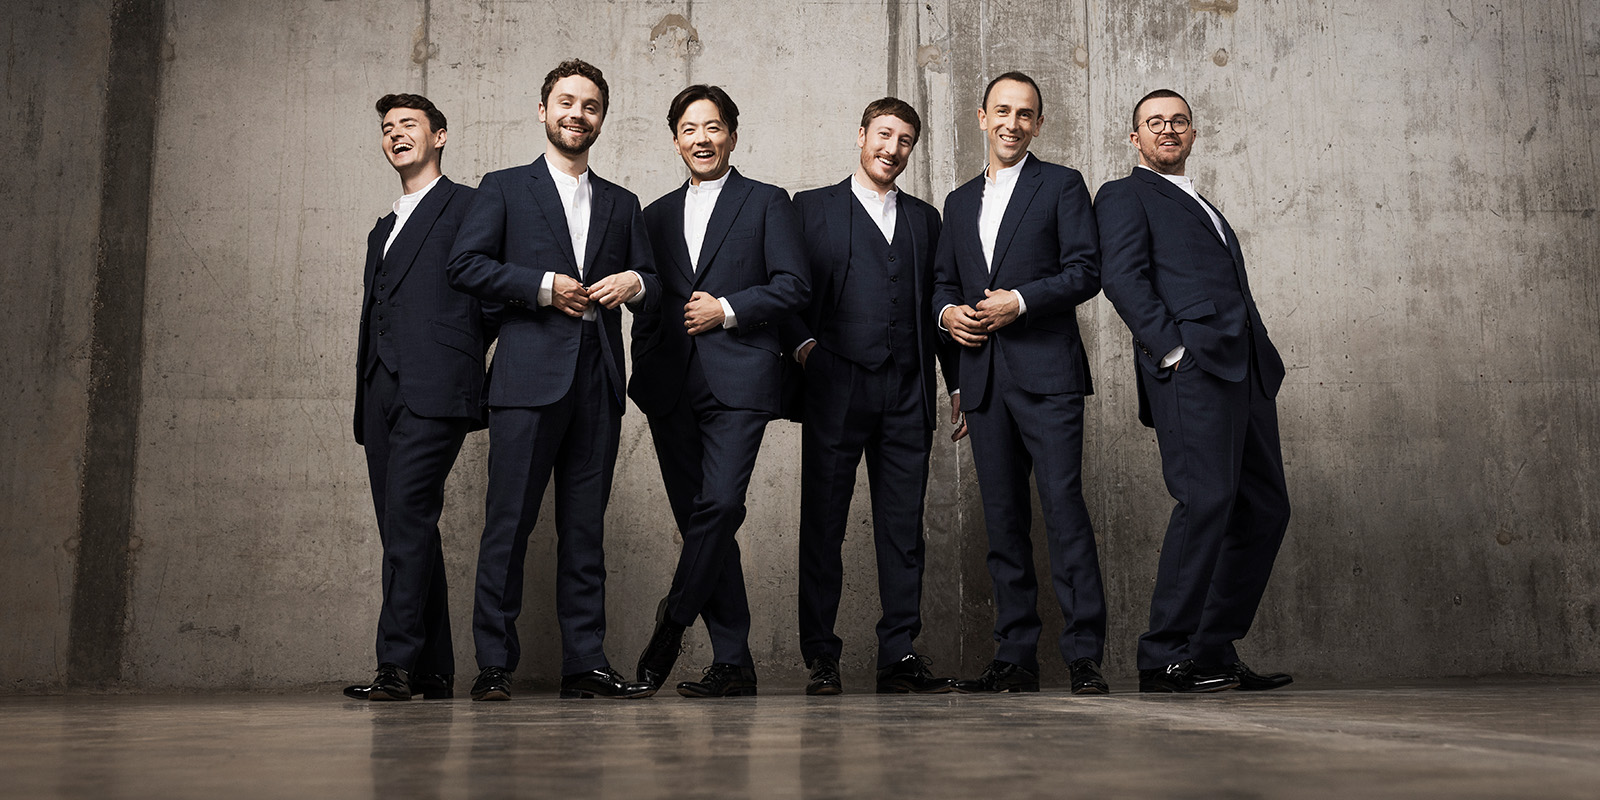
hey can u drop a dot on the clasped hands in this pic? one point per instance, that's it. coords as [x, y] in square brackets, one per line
[970, 326]
[573, 298]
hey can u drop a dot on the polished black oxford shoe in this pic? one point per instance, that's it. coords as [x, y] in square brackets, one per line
[1086, 677]
[1251, 681]
[1000, 676]
[910, 675]
[824, 677]
[431, 687]
[661, 653]
[493, 683]
[603, 683]
[391, 683]
[722, 680]
[1185, 678]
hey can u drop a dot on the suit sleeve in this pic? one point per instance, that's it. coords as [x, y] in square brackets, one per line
[793, 331]
[475, 265]
[1129, 273]
[788, 286]
[947, 350]
[642, 259]
[946, 280]
[1078, 246]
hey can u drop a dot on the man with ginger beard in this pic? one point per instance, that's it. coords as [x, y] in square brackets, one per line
[1018, 256]
[708, 374]
[1208, 379]
[557, 249]
[868, 343]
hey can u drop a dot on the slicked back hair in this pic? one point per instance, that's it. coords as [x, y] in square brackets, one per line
[1019, 77]
[696, 93]
[894, 107]
[577, 66]
[1159, 93]
[390, 102]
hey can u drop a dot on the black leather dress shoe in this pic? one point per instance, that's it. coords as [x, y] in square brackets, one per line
[661, 653]
[1086, 677]
[1251, 681]
[431, 687]
[1185, 678]
[1000, 676]
[603, 683]
[493, 683]
[824, 677]
[911, 675]
[391, 683]
[722, 680]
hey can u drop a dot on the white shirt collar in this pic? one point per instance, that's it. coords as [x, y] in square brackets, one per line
[707, 187]
[1181, 181]
[1008, 175]
[414, 198]
[866, 193]
[563, 178]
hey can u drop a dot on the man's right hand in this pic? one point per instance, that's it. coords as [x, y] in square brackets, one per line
[964, 326]
[805, 352]
[568, 295]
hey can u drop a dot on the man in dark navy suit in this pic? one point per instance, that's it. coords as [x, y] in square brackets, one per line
[557, 249]
[708, 374]
[1018, 256]
[419, 388]
[868, 343]
[1207, 377]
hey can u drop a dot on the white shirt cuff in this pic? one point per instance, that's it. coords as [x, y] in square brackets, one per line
[639, 296]
[802, 347]
[547, 289]
[728, 320]
[939, 320]
[1022, 305]
[1173, 357]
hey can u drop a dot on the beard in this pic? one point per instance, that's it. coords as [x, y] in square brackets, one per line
[566, 142]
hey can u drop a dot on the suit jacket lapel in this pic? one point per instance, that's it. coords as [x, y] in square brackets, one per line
[1181, 197]
[676, 244]
[1021, 197]
[380, 234]
[544, 193]
[600, 201]
[729, 201]
[837, 218]
[405, 247]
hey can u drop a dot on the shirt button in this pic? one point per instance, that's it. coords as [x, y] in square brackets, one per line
[891, 256]
[893, 278]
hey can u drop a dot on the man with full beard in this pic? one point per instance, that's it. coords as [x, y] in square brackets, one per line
[556, 249]
[868, 343]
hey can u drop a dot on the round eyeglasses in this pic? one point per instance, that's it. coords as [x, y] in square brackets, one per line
[1179, 125]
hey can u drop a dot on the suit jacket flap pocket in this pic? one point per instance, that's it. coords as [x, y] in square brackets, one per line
[453, 337]
[1200, 310]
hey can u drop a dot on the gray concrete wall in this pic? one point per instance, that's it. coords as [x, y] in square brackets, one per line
[1414, 187]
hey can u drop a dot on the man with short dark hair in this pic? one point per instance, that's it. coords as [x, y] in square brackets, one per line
[867, 343]
[708, 374]
[1017, 258]
[419, 384]
[1208, 377]
[557, 249]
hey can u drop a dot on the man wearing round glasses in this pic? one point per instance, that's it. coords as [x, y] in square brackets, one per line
[1208, 378]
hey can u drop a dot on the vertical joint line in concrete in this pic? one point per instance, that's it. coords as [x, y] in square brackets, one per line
[116, 345]
[892, 17]
[427, 42]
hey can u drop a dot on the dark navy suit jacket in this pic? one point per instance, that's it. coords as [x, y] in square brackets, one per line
[1174, 282]
[752, 257]
[435, 333]
[514, 234]
[826, 216]
[1047, 249]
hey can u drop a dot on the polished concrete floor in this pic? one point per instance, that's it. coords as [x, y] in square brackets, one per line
[1480, 738]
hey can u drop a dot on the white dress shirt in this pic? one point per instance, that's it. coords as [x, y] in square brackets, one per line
[698, 203]
[883, 210]
[1187, 185]
[403, 208]
[577, 200]
[991, 211]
